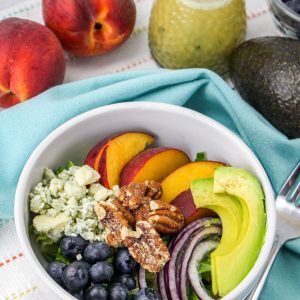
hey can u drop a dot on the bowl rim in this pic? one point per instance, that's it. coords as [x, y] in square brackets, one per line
[21, 229]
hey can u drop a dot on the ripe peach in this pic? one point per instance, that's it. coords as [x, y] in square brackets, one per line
[111, 155]
[153, 164]
[31, 60]
[94, 155]
[90, 27]
[185, 202]
[180, 180]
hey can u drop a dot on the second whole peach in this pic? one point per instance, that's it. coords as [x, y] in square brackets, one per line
[90, 27]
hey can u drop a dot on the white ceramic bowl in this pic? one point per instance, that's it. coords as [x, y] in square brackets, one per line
[174, 126]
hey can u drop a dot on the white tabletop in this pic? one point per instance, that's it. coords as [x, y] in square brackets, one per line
[7, 3]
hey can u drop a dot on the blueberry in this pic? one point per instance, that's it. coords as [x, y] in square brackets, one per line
[76, 276]
[71, 246]
[79, 295]
[147, 294]
[101, 272]
[97, 252]
[85, 264]
[96, 292]
[55, 270]
[118, 291]
[127, 280]
[124, 262]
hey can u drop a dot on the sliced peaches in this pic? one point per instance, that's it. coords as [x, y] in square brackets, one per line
[111, 155]
[153, 164]
[185, 202]
[180, 180]
[93, 157]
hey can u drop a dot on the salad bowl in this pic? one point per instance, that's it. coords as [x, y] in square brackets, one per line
[176, 126]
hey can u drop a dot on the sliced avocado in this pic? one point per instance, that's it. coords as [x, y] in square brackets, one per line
[234, 266]
[230, 212]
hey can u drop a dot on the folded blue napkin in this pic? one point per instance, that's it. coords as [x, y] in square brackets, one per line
[24, 126]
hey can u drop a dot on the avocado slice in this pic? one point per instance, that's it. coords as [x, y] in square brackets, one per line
[230, 212]
[245, 187]
[266, 73]
[232, 262]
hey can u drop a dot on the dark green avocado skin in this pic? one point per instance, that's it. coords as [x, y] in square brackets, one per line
[266, 72]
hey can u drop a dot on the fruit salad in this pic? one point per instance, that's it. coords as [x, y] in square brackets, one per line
[136, 221]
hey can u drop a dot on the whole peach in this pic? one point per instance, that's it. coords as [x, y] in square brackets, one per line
[31, 60]
[90, 27]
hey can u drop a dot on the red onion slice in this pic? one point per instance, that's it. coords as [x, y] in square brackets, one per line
[201, 235]
[161, 285]
[176, 246]
[199, 253]
[200, 223]
[142, 278]
[189, 237]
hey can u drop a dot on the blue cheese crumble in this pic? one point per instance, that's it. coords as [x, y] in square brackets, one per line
[64, 203]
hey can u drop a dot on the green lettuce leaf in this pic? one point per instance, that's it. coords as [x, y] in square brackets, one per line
[200, 156]
[192, 295]
[204, 266]
[48, 248]
[60, 169]
[133, 292]
[59, 257]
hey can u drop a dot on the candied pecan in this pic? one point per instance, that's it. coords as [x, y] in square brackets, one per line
[142, 213]
[114, 222]
[136, 193]
[147, 248]
[131, 196]
[164, 217]
[154, 189]
[126, 213]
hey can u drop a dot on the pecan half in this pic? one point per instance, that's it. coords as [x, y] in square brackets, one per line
[114, 222]
[135, 194]
[154, 189]
[132, 196]
[164, 217]
[126, 213]
[147, 248]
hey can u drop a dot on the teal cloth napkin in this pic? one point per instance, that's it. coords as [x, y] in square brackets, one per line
[24, 126]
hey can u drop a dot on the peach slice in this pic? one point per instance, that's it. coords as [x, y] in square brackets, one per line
[185, 202]
[93, 157]
[111, 155]
[153, 164]
[180, 180]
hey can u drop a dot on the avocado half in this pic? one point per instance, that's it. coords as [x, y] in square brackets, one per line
[237, 197]
[266, 72]
[230, 212]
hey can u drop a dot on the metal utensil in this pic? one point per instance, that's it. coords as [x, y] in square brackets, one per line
[287, 227]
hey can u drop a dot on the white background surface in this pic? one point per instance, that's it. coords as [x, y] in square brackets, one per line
[7, 3]
[17, 281]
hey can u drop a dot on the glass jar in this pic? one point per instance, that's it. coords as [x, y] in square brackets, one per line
[196, 33]
[286, 20]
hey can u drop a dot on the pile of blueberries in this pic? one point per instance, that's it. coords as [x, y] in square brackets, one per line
[96, 273]
[293, 4]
